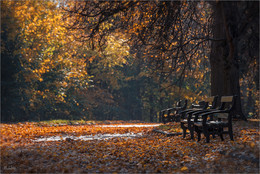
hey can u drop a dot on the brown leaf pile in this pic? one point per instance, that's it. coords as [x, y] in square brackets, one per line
[153, 152]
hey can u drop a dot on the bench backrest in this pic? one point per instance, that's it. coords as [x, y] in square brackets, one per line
[200, 105]
[212, 101]
[185, 104]
[209, 102]
[178, 104]
[228, 102]
[209, 99]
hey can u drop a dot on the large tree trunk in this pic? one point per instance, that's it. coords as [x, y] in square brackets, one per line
[223, 58]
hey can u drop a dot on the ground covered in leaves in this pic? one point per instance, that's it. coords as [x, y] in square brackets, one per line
[148, 151]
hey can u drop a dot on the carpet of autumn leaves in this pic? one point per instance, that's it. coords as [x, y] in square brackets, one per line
[152, 152]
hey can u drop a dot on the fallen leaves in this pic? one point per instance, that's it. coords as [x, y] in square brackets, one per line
[151, 152]
[184, 168]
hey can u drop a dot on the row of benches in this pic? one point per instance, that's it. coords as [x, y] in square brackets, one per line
[204, 118]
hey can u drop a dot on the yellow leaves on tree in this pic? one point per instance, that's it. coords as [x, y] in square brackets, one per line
[116, 51]
[48, 47]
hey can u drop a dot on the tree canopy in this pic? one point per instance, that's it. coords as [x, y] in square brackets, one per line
[123, 59]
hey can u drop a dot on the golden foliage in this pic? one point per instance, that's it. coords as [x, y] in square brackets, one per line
[48, 49]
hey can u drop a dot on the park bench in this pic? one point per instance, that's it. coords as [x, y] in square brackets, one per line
[187, 117]
[215, 121]
[164, 113]
[168, 115]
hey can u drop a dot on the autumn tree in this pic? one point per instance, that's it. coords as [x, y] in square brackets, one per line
[177, 35]
[125, 59]
[169, 35]
[235, 28]
[49, 64]
[106, 68]
[10, 64]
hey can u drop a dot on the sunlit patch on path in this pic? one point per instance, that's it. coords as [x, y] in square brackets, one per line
[89, 137]
[130, 125]
[100, 136]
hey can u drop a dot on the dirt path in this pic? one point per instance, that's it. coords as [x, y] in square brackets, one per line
[149, 152]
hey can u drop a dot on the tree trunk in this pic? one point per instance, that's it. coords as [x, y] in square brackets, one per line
[223, 58]
[151, 114]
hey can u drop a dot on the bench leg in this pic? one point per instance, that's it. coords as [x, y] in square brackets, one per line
[177, 118]
[172, 118]
[230, 131]
[199, 136]
[192, 132]
[198, 133]
[221, 136]
[206, 133]
[213, 135]
[164, 119]
[184, 133]
[207, 138]
[169, 116]
[184, 130]
[220, 131]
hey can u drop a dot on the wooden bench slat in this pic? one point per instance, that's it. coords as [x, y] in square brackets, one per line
[226, 99]
[223, 115]
[209, 99]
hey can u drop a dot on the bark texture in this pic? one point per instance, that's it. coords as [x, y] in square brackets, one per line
[223, 58]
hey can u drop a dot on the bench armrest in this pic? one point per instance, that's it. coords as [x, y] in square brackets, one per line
[196, 106]
[197, 113]
[206, 114]
[184, 111]
[170, 109]
[203, 111]
[214, 112]
[174, 109]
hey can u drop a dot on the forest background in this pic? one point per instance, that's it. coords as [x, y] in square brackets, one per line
[61, 62]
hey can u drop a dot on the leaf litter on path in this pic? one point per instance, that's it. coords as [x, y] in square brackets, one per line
[149, 152]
